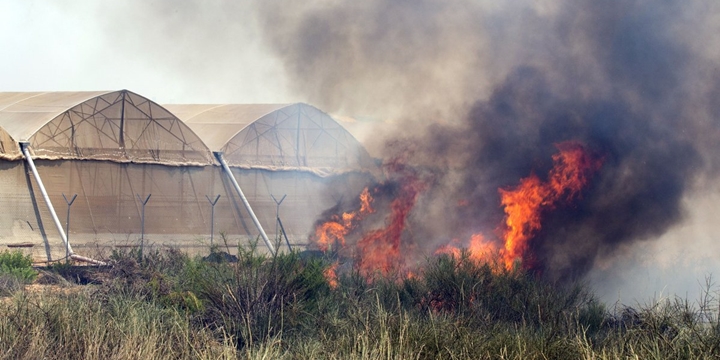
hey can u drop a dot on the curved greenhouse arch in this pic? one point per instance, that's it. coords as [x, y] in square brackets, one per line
[294, 137]
[9, 149]
[118, 126]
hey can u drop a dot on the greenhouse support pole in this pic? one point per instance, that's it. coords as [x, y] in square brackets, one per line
[26, 152]
[245, 202]
[28, 158]
[87, 260]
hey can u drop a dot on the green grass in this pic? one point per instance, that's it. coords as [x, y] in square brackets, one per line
[168, 305]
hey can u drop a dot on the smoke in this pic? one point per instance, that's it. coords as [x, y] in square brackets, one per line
[481, 91]
[378, 58]
[188, 51]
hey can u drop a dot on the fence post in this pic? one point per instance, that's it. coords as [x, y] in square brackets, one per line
[67, 226]
[142, 223]
[212, 218]
[278, 222]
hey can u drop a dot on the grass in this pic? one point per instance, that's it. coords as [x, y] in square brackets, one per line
[83, 326]
[168, 305]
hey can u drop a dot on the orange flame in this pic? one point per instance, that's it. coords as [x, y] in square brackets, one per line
[522, 220]
[523, 205]
[379, 250]
[330, 275]
[479, 249]
[365, 200]
[338, 227]
[452, 249]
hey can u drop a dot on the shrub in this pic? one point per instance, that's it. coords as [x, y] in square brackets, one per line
[263, 297]
[17, 265]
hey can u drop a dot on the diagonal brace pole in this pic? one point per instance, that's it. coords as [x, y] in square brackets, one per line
[245, 202]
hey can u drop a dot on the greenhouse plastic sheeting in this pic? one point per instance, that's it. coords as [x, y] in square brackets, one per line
[107, 211]
[113, 149]
[296, 137]
[118, 126]
[9, 149]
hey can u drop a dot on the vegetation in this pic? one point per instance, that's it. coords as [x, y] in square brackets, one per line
[15, 271]
[168, 305]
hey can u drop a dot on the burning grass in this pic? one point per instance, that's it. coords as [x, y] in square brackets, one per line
[171, 306]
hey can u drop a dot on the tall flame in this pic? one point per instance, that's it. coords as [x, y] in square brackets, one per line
[379, 250]
[524, 205]
[572, 168]
[522, 219]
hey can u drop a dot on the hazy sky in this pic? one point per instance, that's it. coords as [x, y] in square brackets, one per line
[182, 54]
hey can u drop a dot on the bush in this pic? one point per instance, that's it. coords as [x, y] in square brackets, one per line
[263, 297]
[17, 265]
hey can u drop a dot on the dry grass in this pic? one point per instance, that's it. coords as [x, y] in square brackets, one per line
[171, 306]
[51, 324]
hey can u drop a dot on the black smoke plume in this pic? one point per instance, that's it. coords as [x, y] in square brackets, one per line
[483, 90]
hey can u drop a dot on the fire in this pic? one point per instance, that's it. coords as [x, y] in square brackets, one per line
[522, 215]
[524, 204]
[330, 275]
[379, 250]
[452, 249]
[574, 167]
[335, 230]
[479, 249]
[365, 200]
[329, 232]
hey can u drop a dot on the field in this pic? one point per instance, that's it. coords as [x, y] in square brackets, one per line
[169, 305]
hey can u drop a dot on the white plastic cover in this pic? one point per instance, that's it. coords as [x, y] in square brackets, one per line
[110, 148]
[296, 137]
[118, 126]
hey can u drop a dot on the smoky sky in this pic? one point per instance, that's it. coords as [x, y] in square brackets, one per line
[482, 92]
